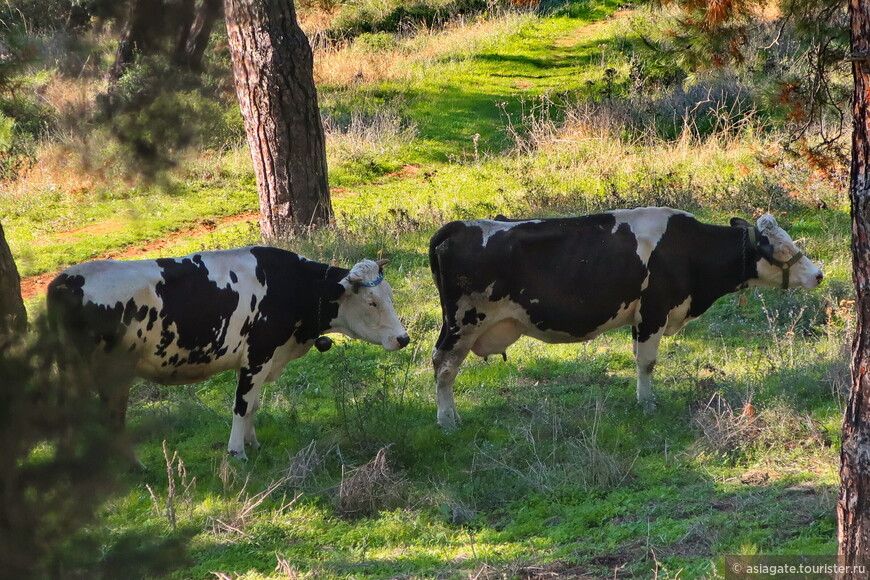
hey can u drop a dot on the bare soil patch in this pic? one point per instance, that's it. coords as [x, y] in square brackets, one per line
[32, 286]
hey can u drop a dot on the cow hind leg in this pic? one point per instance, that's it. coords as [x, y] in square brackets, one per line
[645, 355]
[113, 382]
[246, 405]
[446, 363]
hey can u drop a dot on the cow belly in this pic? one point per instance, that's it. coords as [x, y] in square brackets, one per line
[497, 338]
[168, 372]
[625, 316]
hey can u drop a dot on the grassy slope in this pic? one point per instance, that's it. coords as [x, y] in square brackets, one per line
[554, 467]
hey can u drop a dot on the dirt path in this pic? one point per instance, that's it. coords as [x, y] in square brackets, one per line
[32, 286]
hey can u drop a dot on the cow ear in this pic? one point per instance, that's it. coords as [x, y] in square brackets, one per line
[737, 222]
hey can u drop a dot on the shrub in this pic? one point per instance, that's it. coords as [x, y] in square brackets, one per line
[375, 41]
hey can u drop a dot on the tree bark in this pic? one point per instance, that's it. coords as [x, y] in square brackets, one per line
[13, 316]
[853, 507]
[273, 67]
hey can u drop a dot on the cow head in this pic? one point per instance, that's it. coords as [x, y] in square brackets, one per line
[365, 308]
[780, 262]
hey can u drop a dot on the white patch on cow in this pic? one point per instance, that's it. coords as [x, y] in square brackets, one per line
[108, 282]
[648, 224]
[491, 227]
[678, 317]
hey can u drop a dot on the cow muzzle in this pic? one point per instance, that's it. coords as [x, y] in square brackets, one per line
[397, 342]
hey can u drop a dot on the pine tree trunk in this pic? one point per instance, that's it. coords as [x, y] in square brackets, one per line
[13, 317]
[273, 68]
[853, 507]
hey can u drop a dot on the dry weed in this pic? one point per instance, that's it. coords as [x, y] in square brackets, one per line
[365, 490]
[178, 489]
[345, 64]
[241, 514]
[305, 464]
[732, 433]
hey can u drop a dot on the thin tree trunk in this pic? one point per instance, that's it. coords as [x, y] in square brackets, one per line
[853, 507]
[182, 18]
[273, 68]
[13, 316]
[207, 14]
[141, 32]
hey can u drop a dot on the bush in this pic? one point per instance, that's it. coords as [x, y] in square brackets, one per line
[59, 456]
[396, 16]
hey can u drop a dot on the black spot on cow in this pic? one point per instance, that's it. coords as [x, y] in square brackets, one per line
[233, 277]
[470, 316]
[293, 306]
[89, 324]
[200, 330]
[253, 303]
[152, 318]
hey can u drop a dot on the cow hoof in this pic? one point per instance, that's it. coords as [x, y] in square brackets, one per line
[449, 422]
[240, 455]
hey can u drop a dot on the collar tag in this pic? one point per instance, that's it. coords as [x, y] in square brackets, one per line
[374, 282]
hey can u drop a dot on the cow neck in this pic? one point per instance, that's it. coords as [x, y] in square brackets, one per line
[725, 267]
[323, 320]
[750, 252]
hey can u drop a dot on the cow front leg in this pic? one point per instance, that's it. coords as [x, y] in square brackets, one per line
[245, 407]
[446, 363]
[646, 349]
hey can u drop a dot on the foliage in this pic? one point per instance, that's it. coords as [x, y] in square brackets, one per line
[61, 460]
[398, 16]
[792, 51]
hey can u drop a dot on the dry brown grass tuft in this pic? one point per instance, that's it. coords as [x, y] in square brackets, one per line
[371, 487]
[241, 512]
[304, 466]
[739, 432]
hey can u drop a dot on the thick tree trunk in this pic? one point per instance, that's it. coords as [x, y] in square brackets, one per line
[13, 317]
[853, 508]
[273, 69]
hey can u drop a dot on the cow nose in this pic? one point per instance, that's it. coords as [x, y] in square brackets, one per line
[403, 340]
[820, 277]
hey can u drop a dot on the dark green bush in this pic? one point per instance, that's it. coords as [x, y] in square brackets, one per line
[368, 18]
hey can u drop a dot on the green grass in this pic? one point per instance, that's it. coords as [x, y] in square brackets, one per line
[555, 467]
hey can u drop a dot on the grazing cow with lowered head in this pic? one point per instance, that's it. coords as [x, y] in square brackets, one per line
[181, 320]
[570, 279]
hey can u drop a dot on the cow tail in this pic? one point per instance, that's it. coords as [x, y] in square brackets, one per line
[64, 313]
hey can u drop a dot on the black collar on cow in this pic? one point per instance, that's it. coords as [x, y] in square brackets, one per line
[766, 252]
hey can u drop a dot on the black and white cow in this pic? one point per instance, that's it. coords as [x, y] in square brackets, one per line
[570, 279]
[181, 320]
